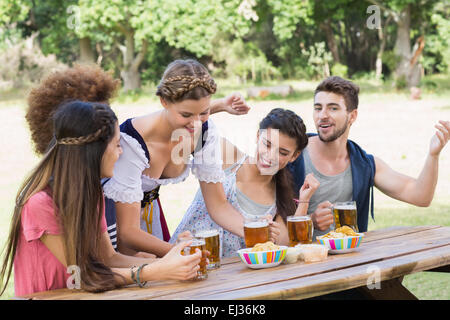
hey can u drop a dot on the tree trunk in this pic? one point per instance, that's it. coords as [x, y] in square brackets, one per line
[326, 27]
[403, 44]
[130, 72]
[131, 79]
[379, 61]
[408, 67]
[87, 55]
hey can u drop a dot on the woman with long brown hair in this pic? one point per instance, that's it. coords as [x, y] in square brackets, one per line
[162, 148]
[59, 219]
[256, 186]
[91, 83]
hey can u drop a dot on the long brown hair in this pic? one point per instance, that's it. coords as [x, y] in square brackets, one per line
[290, 124]
[70, 173]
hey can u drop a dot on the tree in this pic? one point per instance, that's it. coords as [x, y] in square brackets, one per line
[408, 68]
[53, 21]
[135, 25]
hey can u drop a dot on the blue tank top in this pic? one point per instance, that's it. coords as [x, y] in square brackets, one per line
[363, 174]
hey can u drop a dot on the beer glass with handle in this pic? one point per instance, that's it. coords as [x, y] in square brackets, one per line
[346, 214]
[256, 230]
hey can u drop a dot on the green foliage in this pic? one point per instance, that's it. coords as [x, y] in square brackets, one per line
[267, 40]
[401, 83]
[24, 64]
[390, 59]
[318, 60]
[48, 19]
[11, 11]
[187, 24]
[437, 50]
[339, 70]
[245, 61]
[287, 15]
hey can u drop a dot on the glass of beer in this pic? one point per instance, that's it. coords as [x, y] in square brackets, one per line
[345, 214]
[212, 242]
[256, 230]
[197, 243]
[300, 230]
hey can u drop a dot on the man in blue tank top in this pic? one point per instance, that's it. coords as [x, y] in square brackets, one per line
[330, 154]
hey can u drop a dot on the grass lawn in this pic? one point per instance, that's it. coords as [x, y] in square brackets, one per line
[389, 125]
[424, 285]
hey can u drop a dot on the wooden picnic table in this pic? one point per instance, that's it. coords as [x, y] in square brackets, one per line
[385, 256]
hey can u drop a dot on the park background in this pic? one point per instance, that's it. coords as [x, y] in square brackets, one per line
[398, 51]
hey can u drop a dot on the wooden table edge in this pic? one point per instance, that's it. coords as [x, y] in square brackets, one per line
[359, 279]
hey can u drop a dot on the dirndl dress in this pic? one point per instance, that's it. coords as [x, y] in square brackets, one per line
[130, 185]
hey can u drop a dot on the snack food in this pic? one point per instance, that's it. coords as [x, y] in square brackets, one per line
[312, 252]
[266, 246]
[291, 255]
[341, 232]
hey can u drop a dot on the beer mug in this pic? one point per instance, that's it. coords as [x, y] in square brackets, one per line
[256, 230]
[212, 243]
[345, 214]
[300, 230]
[197, 243]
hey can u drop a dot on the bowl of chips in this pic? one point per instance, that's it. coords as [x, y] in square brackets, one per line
[263, 255]
[341, 240]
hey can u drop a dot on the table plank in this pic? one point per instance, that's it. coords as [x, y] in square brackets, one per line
[395, 231]
[234, 276]
[371, 253]
[320, 284]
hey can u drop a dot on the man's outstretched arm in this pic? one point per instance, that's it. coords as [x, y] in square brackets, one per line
[417, 191]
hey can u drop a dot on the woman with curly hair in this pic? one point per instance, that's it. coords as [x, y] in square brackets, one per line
[59, 220]
[88, 83]
[91, 83]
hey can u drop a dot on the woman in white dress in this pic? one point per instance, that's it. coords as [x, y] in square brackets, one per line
[162, 148]
[256, 186]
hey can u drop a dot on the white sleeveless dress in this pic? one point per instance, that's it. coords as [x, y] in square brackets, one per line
[197, 217]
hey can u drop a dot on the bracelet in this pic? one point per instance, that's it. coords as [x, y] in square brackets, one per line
[139, 283]
[301, 201]
[133, 274]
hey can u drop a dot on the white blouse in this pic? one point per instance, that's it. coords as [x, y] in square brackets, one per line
[128, 182]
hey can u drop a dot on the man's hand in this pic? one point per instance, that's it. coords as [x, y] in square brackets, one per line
[441, 138]
[323, 217]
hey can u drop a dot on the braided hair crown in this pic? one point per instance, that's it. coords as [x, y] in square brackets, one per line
[289, 123]
[80, 123]
[185, 79]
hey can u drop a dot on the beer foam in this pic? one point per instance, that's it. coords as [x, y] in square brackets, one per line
[207, 233]
[197, 242]
[345, 207]
[256, 224]
[298, 218]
